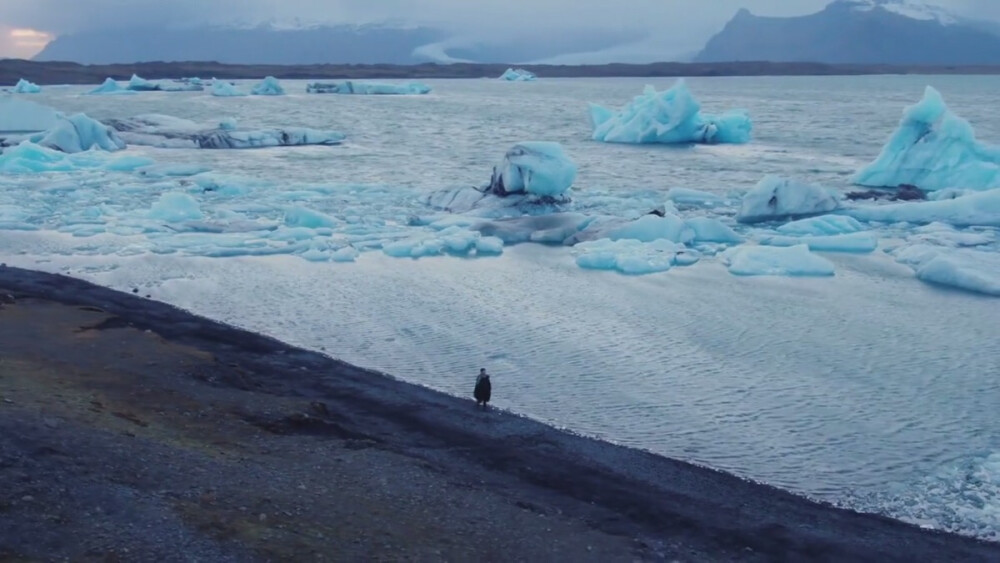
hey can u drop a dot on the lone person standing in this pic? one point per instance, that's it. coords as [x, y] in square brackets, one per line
[483, 388]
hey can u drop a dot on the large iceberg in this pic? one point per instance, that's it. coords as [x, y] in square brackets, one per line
[373, 88]
[268, 87]
[110, 88]
[224, 89]
[669, 117]
[776, 261]
[538, 168]
[933, 149]
[78, 133]
[518, 75]
[25, 87]
[23, 116]
[165, 131]
[775, 198]
[977, 208]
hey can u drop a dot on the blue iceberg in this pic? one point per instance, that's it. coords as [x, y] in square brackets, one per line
[978, 208]
[110, 88]
[824, 225]
[537, 168]
[518, 75]
[31, 158]
[776, 261]
[139, 84]
[223, 89]
[933, 149]
[669, 117]
[78, 133]
[367, 88]
[775, 198]
[25, 87]
[268, 87]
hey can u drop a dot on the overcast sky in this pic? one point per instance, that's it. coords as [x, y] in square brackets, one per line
[674, 24]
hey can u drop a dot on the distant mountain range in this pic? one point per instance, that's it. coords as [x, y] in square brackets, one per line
[897, 32]
[345, 44]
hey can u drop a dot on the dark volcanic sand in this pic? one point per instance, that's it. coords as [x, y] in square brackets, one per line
[134, 431]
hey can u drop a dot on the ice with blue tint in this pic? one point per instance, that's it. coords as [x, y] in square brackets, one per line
[175, 207]
[669, 117]
[23, 116]
[775, 198]
[694, 198]
[653, 227]
[980, 208]
[535, 167]
[30, 158]
[518, 75]
[933, 149]
[224, 89]
[960, 268]
[268, 87]
[633, 257]
[139, 84]
[110, 88]
[709, 229]
[776, 261]
[25, 87]
[367, 88]
[824, 225]
[943, 234]
[452, 240]
[165, 131]
[309, 218]
[852, 242]
[78, 133]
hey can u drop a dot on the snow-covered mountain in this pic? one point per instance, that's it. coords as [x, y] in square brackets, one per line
[859, 32]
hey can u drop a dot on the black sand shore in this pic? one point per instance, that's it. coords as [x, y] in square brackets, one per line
[134, 431]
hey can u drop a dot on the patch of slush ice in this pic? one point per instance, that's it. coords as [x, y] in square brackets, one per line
[175, 207]
[776, 261]
[633, 257]
[861, 242]
[669, 117]
[268, 87]
[933, 149]
[980, 208]
[775, 198]
[452, 240]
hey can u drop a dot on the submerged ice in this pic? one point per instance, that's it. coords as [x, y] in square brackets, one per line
[669, 117]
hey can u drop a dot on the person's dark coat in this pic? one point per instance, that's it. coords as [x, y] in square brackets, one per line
[483, 390]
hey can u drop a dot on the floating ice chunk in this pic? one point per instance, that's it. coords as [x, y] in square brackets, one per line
[453, 240]
[22, 116]
[552, 228]
[224, 89]
[685, 196]
[534, 167]
[345, 254]
[139, 84]
[369, 88]
[653, 227]
[110, 88]
[633, 257]
[268, 87]
[79, 133]
[981, 208]
[518, 75]
[933, 149]
[968, 270]
[776, 261]
[775, 198]
[822, 226]
[669, 117]
[851, 242]
[165, 131]
[28, 158]
[943, 234]
[175, 207]
[25, 87]
[302, 217]
[707, 229]
[489, 245]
